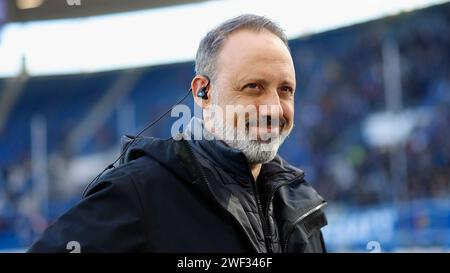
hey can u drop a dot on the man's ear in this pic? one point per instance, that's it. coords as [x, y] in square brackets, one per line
[198, 83]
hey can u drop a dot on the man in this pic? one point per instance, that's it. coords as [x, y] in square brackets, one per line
[229, 192]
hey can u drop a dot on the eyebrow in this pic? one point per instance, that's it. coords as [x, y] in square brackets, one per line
[265, 82]
[285, 82]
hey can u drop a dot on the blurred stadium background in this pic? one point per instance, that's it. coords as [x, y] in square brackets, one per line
[372, 107]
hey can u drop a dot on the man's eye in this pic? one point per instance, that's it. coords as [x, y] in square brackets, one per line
[287, 89]
[252, 86]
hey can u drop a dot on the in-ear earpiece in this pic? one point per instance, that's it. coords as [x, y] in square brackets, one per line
[202, 93]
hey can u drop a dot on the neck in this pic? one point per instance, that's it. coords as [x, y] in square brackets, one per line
[255, 168]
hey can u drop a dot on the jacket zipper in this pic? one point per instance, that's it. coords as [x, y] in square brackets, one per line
[209, 186]
[264, 222]
[269, 200]
[301, 218]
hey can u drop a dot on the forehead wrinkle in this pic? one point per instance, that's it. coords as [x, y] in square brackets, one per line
[280, 75]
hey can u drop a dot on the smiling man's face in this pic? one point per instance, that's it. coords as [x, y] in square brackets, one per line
[254, 70]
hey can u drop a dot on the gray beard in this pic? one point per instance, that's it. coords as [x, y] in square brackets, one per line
[256, 151]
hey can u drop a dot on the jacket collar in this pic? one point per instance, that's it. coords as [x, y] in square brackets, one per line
[216, 151]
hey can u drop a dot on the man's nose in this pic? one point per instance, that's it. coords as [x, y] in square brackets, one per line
[270, 105]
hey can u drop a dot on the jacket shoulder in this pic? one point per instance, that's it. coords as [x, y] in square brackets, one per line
[108, 219]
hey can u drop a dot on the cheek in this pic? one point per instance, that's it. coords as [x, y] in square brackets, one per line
[227, 97]
[237, 98]
[288, 111]
[233, 101]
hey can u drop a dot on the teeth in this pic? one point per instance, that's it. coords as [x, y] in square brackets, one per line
[281, 123]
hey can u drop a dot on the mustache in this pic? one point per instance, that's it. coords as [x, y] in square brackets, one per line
[267, 121]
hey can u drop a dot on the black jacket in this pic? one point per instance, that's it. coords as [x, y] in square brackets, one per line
[191, 196]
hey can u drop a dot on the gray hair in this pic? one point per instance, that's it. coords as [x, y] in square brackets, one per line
[205, 61]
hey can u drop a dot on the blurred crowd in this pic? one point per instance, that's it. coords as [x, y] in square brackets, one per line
[341, 84]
